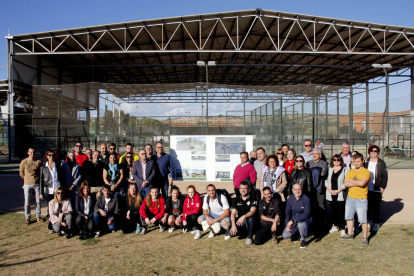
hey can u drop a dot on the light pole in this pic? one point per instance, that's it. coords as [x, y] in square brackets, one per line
[387, 97]
[209, 63]
[187, 117]
[57, 91]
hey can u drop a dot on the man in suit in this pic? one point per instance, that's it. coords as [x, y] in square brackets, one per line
[144, 173]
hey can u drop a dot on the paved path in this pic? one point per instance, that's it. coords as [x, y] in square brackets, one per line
[397, 206]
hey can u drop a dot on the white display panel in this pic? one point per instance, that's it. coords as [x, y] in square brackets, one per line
[208, 157]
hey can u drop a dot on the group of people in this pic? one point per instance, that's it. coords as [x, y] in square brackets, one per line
[277, 195]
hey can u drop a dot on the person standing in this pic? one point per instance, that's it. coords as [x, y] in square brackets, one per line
[377, 185]
[113, 176]
[129, 148]
[92, 171]
[242, 171]
[345, 153]
[302, 176]
[307, 154]
[357, 201]
[165, 169]
[150, 153]
[104, 155]
[290, 161]
[72, 176]
[144, 174]
[112, 149]
[260, 167]
[285, 148]
[275, 178]
[253, 157]
[335, 193]
[30, 173]
[281, 158]
[80, 157]
[88, 153]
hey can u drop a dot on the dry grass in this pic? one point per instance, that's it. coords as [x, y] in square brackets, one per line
[30, 250]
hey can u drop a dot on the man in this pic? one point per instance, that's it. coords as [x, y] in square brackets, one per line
[112, 149]
[150, 152]
[260, 167]
[129, 148]
[242, 213]
[357, 181]
[307, 154]
[30, 173]
[285, 149]
[243, 170]
[144, 173]
[298, 210]
[216, 211]
[104, 156]
[88, 152]
[270, 212]
[253, 157]
[80, 157]
[318, 183]
[165, 168]
[345, 153]
[92, 171]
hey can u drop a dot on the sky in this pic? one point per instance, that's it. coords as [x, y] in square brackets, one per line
[21, 17]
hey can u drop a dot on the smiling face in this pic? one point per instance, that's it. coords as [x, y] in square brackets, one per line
[244, 190]
[272, 163]
[78, 148]
[211, 191]
[345, 149]
[244, 158]
[31, 153]
[148, 150]
[289, 155]
[174, 195]
[88, 152]
[103, 149]
[154, 193]
[129, 148]
[297, 190]
[106, 192]
[132, 190]
[50, 157]
[59, 196]
[159, 148]
[316, 155]
[260, 154]
[112, 159]
[86, 190]
[95, 156]
[71, 157]
[267, 195]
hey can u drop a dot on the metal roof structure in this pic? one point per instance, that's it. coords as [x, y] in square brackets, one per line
[252, 49]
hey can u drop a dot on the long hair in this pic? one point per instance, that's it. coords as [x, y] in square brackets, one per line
[296, 166]
[148, 198]
[338, 156]
[47, 154]
[59, 189]
[294, 154]
[136, 200]
[83, 185]
[284, 156]
[191, 187]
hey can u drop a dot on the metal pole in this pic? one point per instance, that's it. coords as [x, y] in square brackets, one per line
[351, 112]
[58, 98]
[412, 88]
[303, 110]
[207, 98]
[202, 113]
[273, 125]
[281, 121]
[313, 119]
[337, 115]
[244, 116]
[316, 118]
[326, 117]
[387, 96]
[367, 115]
[10, 98]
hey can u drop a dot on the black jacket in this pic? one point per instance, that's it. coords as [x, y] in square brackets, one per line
[302, 177]
[93, 173]
[80, 206]
[129, 207]
[269, 210]
[113, 206]
[381, 174]
[46, 180]
[169, 205]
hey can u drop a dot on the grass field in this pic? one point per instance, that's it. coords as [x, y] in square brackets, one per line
[30, 250]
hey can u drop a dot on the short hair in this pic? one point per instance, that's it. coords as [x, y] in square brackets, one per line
[244, 152]
[331, 164]
[47, 153]
[141, 150]
[252, 151]
[308, 140]
[159, 142]
[345, 143]
[31, 147]
[129, 144]
[373, 147]
[88, 149]
[358, 156]
[245, 183]
[270, 157]
[210, 185]
[318, 149]
[148, 145]
[285, 145]
[112, 154]
[267, 189]
[79, 142]
[83, 185]
[192, 187]
[112, 145]
[260, 148]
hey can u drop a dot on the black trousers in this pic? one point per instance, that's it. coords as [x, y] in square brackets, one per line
[374, 206]
[192, 222]
[131, 223]
[319, 214]
[150, 217]
[84, 228]
[338, 212]
[264, 234]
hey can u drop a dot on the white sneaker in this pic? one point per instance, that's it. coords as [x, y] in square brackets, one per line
[143, 231]
[375, 227]
[185, 230]
[162, 229]
[343, 233]
[98, 234]
[171, 230]
[334, 229]
[211, 235]
[227, 236]
[193, 232]
[197, 234]
[51, 231]
[248, 242]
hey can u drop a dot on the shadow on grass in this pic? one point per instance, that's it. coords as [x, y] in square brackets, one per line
[390, 208]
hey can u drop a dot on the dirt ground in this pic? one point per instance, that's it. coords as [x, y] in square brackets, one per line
[397, 206]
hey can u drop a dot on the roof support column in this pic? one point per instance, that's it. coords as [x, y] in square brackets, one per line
[316, 119]
[337, 115]
[367, 115]
[313, 119]
[281, 121]
[412, 88]
[351, 112]
[326, 116]
[10, 97]
[244, 116]
[387, 96]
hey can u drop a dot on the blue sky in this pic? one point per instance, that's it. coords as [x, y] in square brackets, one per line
[22, 17]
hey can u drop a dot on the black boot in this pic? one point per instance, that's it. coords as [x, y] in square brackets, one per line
[68, 231]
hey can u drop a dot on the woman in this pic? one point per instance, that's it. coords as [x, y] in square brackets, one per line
[72, 175]
[290, 161]
[113, 175]
[51, 177]
[302, 176]
[191, 211]
[85, 203]
[275, 177]
[377, 184]
[106, 211]
[335, 192]
[281, 158]
[60, 213]
[129, 169]
[173, 210]
[152, 210]
[133, 204]
[88, 153]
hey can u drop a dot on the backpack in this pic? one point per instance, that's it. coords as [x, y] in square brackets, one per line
[218, 193]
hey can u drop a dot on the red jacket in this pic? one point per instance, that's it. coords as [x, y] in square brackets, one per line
[241, 173]
[157, 210]
[289, 166]
[192, 206]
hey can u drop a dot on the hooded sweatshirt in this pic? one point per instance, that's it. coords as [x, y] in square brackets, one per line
[192, 206]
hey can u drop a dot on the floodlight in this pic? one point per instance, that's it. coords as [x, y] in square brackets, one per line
[211, 63]
[201, 63]
[385, 66]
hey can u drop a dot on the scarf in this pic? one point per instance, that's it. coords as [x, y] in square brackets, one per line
[112, 170]
[87, 205]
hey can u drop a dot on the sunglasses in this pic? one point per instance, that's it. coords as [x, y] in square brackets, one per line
[374, 151]
[335, 159]
[111, 148]
[59, 193]
[299, 161]
[78, 146]
[129, 157]
[50, 154]
[279, 153]
[308, 146]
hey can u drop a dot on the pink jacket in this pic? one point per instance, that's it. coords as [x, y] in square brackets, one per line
[54, 210]
[241, 173]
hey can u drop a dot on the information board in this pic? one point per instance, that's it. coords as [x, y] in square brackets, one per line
[208, 157]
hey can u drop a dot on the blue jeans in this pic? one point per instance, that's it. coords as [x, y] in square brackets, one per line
[164, 189]
[303, 230]
[98, 219]
[249, 225]
[145, 191]
[214, 216]
[27, 192]
[358, 206]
